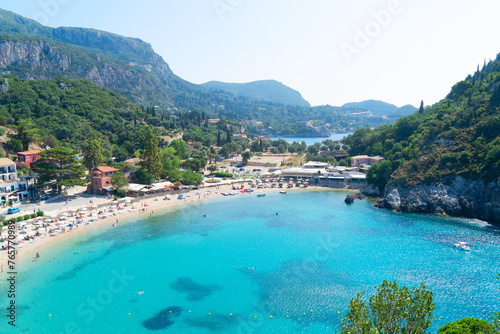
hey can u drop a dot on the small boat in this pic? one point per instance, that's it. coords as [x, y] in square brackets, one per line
[261, 195]
[463, 246]
[282, 192]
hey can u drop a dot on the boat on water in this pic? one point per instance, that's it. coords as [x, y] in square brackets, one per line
[261, 195]
[282, 192]
[463, 246]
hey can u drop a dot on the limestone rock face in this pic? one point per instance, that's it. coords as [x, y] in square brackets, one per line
[460, 197]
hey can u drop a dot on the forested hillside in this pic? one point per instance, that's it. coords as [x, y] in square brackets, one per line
[457, 136]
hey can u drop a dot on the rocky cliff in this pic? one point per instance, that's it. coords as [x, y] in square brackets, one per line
[460, 197]
[36, 59]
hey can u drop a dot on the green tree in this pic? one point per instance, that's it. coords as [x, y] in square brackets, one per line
[26, 132]
[379, 174]
[15, 145]
[245, 156]
[59, 164]
[421, 109]
[212, 168]
[190, 178]
[151, 156]
[391, 310]
[92, 154]
[120, 183]
[468, 326]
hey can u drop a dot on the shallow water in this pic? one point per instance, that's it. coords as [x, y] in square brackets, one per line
[309, 249]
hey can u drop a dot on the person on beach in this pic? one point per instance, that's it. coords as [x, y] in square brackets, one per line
[1, 269]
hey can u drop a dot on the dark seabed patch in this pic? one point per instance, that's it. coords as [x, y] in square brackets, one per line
[162, 319]
[194, 291]
[214, 322]
[299, 286]
[275, 223]
[204, 234]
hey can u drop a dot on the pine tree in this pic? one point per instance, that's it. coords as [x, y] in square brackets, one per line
[421, 110]
[151, 155]
[218, 138]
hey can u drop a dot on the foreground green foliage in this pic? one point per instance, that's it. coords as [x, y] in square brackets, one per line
[468, 326]
[392, 309]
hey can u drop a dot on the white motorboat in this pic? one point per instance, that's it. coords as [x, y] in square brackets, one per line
[282, 192]
[463, 246]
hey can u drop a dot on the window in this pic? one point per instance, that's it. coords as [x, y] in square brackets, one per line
[96, 183]
[27, 158]
[107, 182]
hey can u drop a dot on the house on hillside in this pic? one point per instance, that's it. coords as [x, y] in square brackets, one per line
[359, 160]
[11, 187]
[101, 180]
[28, 157]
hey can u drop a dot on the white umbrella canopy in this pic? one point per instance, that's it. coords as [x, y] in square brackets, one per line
[94, 206]
[5, 227]
[83, 209]
[41, 229]
[65, 214]
[53, 215]
[74, 210]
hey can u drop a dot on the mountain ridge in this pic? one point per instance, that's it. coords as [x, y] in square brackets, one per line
[381, 108]
[266, 90]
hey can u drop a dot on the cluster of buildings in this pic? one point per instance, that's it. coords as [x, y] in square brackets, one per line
[322, 173]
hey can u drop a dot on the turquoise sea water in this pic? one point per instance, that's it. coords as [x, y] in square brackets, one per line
[314, 255]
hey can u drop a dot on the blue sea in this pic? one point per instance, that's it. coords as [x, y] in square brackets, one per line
[276, 264]
[312, 140]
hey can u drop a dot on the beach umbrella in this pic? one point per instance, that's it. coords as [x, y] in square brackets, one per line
[83, 209]
[64, 214]
[23, 232]
[53, 215]
[59, 223]
[74, 210]
[94, 206]
[41, 229]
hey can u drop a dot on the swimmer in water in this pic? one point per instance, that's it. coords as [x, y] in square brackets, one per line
[251, 268]
[141, 292]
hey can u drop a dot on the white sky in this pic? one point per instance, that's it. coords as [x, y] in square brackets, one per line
[419, 52]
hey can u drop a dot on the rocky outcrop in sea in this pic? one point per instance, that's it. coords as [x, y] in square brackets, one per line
[459, 197]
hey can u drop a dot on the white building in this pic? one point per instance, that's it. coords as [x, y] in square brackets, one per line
[11, 188]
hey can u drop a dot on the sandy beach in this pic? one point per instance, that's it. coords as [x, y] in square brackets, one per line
[27, 250]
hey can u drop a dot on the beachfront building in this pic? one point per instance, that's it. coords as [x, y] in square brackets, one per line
[28, 157]
[11, 187]
[307, 171]
[137, 190]
[101, 180]
[359, 160]
[315, 164]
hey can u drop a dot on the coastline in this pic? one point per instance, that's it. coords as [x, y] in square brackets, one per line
[154, 206]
